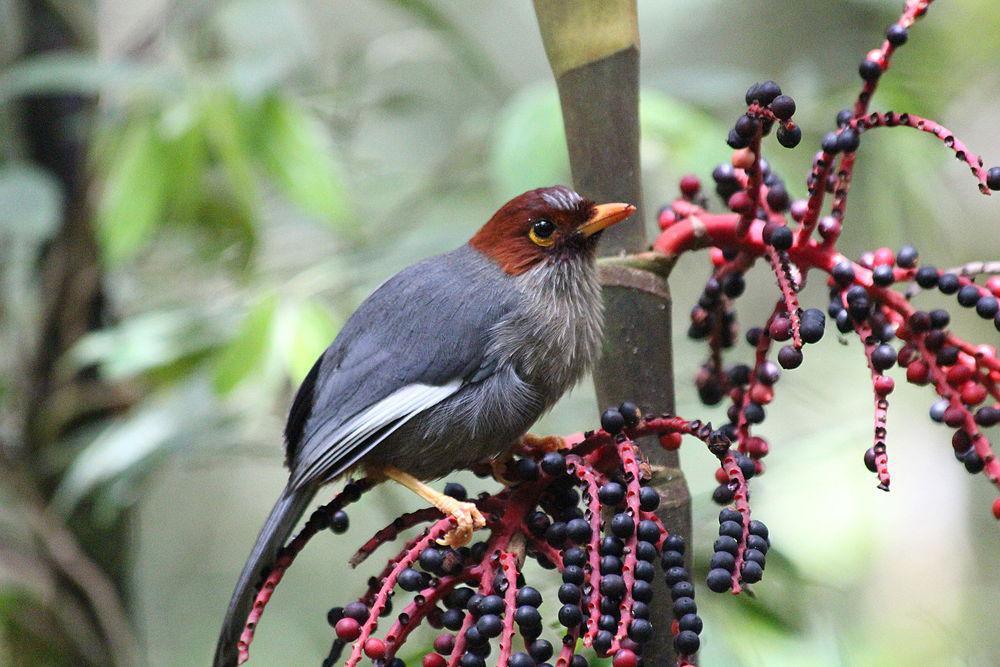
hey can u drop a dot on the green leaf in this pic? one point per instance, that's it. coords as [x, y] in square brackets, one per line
[689, 136]
[134, 192]
[131, 444]
[310, 329]
[248, 349]
[297, 152]
[226, 138]
[145, 343]
[529, 144]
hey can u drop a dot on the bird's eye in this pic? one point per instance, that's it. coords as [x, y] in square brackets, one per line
[541, 232]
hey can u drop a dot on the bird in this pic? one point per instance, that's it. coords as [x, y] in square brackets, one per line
[445, 365]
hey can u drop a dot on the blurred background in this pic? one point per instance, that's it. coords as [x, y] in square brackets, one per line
[194, 195]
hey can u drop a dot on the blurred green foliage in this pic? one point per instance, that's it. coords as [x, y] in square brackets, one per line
[261, 165]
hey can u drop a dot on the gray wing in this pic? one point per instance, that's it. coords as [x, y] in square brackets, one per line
[413, 343]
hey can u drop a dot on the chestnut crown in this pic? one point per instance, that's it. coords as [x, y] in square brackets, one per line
[545, 224]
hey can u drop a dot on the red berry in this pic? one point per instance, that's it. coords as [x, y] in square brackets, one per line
[829, 228]
[721, 476]
[625, 658]
[996, 508]
[884, 256]
[666, 218]
[348, 629]
[884, 385]
[375, 648]
[762, 394]
[993, 285]
[954, 417]
[917, 372]
[973, 393]
[798, 209]
[434, 660]
[718, 259]
[690, 185]
[444, 643]
[757, 448]
[670, 441]
[740, 202]
[958, 375]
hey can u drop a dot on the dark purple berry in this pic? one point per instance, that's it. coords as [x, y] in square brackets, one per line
[948, 283]
[611, 494]
[613, 586]
[691, 622]
[849, 140]
[896, 34]
[622, 525]
[719, 580]
[612, 421]
[993, 178]
[727, 544]
[736, 141]
[724, 560]
[640, 631]
[553, 464]
[830, 143]
[987, 307]
[968, 296]
[746, 126]
[649, 499]
[883, 357]
[540, 650]
[684, 606]
[789, 137]
[783, 107]
[907, 257]
[781, 238]
[339, 522]
[630, 412]
[869, 70]
[789, 357]
[927, 277]
[687, 642]
[751, 572]
[882, 275]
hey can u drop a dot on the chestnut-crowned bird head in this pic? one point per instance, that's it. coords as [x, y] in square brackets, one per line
[545, 225]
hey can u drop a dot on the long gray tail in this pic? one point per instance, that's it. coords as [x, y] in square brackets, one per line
[276, 531]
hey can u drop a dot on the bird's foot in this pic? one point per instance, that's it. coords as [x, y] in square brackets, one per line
[542, 443]
[467, 517]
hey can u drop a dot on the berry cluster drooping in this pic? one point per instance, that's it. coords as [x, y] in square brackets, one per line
[796, 237]
[588, 511]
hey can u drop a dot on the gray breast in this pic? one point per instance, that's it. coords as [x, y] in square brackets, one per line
[537, 351]
[553, 338]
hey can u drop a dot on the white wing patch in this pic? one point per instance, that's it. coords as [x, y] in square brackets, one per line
[355, 438]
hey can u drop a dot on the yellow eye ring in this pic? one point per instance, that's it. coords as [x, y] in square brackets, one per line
[541, 233]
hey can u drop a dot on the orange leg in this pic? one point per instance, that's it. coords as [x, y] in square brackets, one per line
[467, 516]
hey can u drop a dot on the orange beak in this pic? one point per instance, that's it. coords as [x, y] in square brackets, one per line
[604, 216]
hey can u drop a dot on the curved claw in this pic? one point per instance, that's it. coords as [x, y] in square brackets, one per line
[468, 519]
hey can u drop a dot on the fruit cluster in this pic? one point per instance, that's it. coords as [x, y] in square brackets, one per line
[795, 237]
[586, 511]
